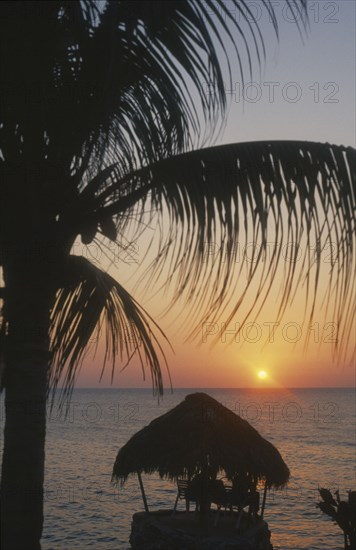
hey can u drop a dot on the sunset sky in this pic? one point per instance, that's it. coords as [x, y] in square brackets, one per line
[305, 92]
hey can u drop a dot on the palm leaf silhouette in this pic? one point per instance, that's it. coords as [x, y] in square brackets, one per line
[89, 300]
[291, 192]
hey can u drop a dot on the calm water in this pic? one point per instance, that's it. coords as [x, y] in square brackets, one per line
[313, 429]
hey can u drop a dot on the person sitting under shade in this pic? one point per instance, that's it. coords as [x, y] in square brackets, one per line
[243, 493]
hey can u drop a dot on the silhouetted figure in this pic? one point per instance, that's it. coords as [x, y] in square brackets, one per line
[244, 494]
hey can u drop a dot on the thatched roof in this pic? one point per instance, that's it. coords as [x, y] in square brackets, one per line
[198, 430]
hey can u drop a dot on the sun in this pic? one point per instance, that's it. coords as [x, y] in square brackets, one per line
[262, 374]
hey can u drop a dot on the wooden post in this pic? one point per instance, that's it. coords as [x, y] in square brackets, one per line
[142, 492]
[264, 500]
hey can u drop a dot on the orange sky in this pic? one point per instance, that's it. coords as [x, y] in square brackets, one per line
[234, 361]
[324, 63]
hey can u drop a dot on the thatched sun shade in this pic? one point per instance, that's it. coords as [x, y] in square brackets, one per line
[197, 432]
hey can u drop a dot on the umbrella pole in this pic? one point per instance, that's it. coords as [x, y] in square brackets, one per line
[142, 492]
[264, 500]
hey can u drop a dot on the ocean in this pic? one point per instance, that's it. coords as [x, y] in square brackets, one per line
[312, 428]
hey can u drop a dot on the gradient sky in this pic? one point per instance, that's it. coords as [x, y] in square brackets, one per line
[305, 92]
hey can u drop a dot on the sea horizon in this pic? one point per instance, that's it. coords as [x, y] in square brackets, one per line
[287, 388]
[311, 427]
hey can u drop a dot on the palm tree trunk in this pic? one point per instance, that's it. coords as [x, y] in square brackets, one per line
[27, 305]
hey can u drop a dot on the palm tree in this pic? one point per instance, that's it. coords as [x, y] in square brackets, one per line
[101, 109]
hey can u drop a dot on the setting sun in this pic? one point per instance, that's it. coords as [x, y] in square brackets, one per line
[262, 375]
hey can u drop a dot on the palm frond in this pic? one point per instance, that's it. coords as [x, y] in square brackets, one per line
[260, 192]
[91, 301]
[118, 81]
[175, 60]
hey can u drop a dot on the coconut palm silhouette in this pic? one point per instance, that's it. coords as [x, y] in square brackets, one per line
[102, 106]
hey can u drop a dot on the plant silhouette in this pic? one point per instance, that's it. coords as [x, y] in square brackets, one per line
[342, 512]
